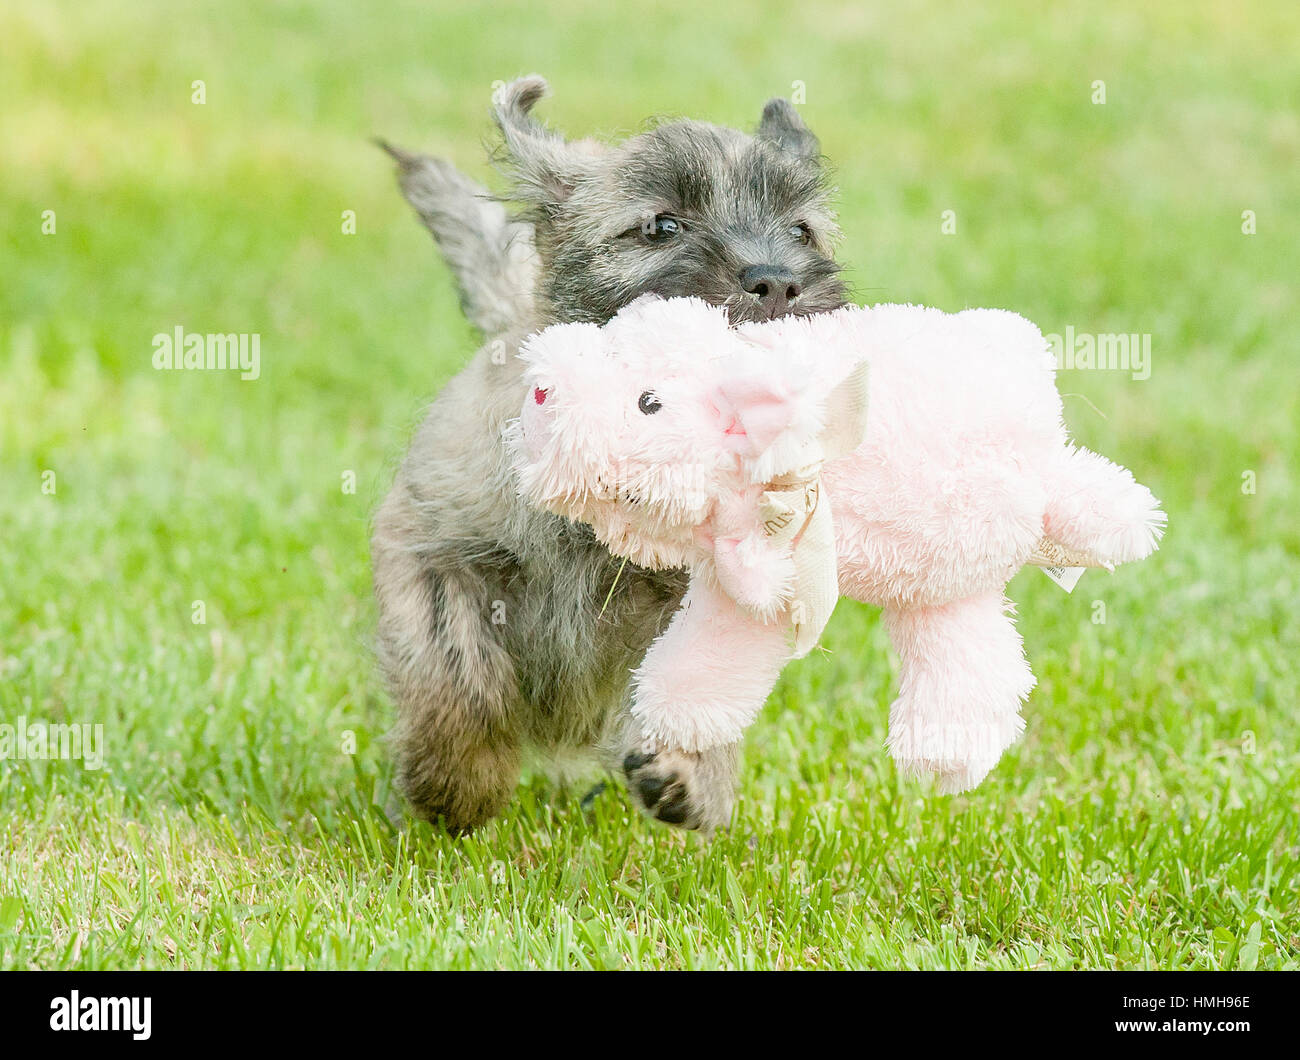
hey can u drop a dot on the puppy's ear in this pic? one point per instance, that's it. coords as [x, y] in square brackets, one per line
[782, 125]
[546, 166]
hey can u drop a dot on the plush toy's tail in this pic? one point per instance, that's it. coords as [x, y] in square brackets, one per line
[1097, 514]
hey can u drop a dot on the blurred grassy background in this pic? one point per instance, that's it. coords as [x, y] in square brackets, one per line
[1127, 829]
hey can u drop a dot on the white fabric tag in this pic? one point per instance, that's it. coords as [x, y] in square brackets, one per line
[1066, 577]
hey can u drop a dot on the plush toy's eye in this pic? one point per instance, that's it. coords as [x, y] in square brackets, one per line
[802, 233]
[539, 395]
[648, 403]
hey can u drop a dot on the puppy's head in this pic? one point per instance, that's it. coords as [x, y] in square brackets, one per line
[686, 208]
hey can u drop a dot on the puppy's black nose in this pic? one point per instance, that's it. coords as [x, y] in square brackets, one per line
[775, 288]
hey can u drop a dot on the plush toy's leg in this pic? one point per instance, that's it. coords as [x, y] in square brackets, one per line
[1095, 507]
[709, 673]
[964, 676]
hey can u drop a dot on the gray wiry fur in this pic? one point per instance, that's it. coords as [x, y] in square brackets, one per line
[490, 255]
[490, 625]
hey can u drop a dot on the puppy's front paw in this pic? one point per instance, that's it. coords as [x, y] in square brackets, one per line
[693, 791]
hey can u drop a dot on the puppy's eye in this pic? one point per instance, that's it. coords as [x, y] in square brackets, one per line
[658, 229]
[802, 233]
[648, 403]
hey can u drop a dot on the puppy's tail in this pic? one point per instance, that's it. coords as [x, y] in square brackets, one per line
[490, 254]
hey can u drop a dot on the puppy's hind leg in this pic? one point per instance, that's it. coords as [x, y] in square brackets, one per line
[455, 741]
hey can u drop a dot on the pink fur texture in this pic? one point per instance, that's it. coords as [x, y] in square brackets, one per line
[667, 431]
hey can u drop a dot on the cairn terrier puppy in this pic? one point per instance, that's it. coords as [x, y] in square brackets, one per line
[504, 630]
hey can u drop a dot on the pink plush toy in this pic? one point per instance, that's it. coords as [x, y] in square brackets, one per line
[748, 456]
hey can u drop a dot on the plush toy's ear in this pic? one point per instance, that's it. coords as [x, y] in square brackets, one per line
[846, 414]
[562, 348]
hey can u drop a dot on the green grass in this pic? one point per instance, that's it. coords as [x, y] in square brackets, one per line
[1147, 819]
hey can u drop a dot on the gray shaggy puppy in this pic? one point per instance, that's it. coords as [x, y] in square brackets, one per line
[502, 629]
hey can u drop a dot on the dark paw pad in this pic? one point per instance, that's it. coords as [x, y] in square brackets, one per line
[659, 789]
[635, 761]
[651, 787]
[675, 809]
[589, 800]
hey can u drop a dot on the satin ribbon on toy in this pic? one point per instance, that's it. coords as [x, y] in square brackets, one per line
[796, 510]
